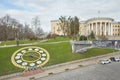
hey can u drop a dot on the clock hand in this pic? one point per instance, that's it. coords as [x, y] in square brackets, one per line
[35, 56]
[31, 55]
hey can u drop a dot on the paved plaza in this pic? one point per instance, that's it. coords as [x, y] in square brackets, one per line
[93, 72]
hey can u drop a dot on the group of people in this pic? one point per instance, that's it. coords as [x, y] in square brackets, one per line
[32, 68]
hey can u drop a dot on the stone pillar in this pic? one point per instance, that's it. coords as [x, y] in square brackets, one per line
[100, 28]
[89, 28]
[111, 30]
[96, 28]
[92, 26]
[73, 46]
[86, 28]
[105, 29]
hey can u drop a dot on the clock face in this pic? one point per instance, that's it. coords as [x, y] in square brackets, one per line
[30, 57]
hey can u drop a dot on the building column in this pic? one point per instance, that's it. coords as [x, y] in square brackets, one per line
[109, 28]
[100, 28]
[105, 29]
[89, 28]
[92, 26]
[96, 28]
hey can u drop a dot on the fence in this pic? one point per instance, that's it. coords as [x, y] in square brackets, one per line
[107, 43]
[80, 45]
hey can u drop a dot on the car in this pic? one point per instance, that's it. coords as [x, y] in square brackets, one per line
[105, 61]
[116, 59]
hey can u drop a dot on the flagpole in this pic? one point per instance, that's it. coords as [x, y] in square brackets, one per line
[99, 13]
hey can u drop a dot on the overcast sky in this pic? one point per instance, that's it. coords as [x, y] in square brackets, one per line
[47, 10]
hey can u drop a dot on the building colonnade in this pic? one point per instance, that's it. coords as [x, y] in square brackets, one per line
[100, 28]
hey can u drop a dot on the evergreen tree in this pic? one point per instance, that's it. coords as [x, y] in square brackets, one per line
[92, 35]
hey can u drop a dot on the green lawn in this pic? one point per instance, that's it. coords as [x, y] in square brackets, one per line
[59, 53]
[59, 38]
[20, 41]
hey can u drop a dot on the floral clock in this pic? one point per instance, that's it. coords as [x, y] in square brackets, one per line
[29, 57]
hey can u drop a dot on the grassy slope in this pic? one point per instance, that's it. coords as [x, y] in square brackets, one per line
[59, 53]
[32, 41]
[20, 41]
[5, 61]
[59, 38]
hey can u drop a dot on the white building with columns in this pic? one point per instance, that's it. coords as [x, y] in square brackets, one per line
[100, 26]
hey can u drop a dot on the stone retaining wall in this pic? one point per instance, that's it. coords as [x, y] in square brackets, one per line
[79, 46]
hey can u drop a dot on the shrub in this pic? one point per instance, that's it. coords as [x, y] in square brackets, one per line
[80, 65]
[92, 35]
[32, 78]
[83, 38]
[66, 69]
[102, 37]
[51, 36]
[50, 73]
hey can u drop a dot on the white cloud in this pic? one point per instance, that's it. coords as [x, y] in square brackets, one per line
[49, 10]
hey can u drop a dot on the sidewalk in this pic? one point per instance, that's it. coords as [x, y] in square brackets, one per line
[66, 66]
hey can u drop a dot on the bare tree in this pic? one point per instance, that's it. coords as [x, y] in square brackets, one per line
[28, 33]
[70, 25]
[11, 29]
[36, 23]
[2, 32]
[63, 24]
[11, 26]
[39, 31]
[5, 21]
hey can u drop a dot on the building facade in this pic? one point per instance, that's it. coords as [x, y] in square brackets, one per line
[99, 26]
[55, 27]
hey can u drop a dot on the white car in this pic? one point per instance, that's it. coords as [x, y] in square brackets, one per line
[116, 59]
[105, 61]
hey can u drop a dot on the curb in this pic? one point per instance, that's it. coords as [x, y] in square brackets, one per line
[82, 60]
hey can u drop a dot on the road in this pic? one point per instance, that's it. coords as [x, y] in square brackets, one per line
[94, 72]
